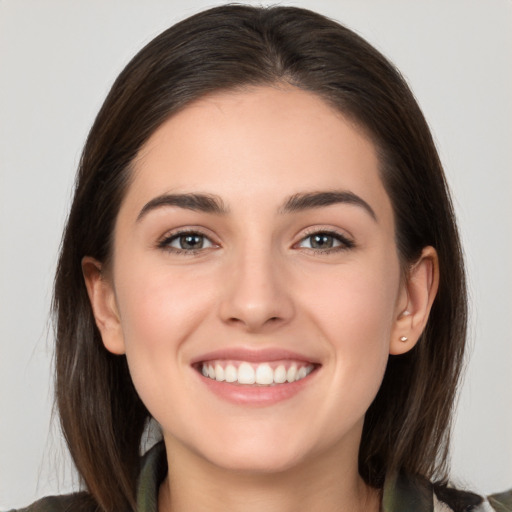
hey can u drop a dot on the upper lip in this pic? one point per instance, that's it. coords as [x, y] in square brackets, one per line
[253, 355]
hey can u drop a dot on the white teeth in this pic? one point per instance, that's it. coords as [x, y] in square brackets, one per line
[246, 374]
[280, 374]
[219, 373]
[291, 373]
[252, 373]
[231, 374]
[264, 374]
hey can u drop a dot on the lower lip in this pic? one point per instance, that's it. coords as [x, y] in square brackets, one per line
[242, 394]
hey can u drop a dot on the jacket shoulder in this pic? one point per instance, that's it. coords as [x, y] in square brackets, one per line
[457, 499]
[501, 502]
[76, 502]
[464, 501]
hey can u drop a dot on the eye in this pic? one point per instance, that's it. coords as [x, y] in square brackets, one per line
[189, 241]
[326, 241]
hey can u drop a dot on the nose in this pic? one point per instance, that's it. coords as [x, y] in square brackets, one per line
[256, 293]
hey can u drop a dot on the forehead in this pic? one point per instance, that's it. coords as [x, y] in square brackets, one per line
[258, 144]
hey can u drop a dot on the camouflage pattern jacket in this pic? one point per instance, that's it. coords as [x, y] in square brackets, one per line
[401, 494]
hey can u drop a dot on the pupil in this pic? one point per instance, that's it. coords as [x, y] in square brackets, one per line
[191, 241]
[321, 241]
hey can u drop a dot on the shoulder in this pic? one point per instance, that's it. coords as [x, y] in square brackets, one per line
[404, 493]
[464, 501]
[450, 499]
[76, 502]
[501, 502]
[153, 468]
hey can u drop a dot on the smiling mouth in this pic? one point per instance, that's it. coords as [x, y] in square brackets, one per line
[255, 374]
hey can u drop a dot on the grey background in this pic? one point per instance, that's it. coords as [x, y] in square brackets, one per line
[57, 61]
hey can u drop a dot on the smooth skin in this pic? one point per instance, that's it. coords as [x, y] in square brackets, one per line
[323, 281]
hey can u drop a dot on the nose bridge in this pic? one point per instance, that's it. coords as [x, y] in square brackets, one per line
[255, 294]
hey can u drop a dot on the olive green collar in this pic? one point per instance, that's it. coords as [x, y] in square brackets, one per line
[152, 474]
[404, 494]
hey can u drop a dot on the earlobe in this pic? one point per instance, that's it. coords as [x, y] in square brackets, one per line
[415, 302]
[104, 306]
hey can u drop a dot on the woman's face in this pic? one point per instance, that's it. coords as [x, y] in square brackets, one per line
[255, 243]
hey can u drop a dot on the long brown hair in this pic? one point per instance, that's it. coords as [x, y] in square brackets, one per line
[234, 46]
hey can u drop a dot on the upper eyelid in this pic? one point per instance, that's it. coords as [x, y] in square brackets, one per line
[347, 241]
[313, 230]
[170, 235]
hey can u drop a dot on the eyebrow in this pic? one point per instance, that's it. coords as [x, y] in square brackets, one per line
[197, 202]
[208, 203]
[310, 200]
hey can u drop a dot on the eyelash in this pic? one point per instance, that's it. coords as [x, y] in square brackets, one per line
[345, 243]
[168, 239]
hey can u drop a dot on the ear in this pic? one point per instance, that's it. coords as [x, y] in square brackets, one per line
[103, 302]
[415, 301]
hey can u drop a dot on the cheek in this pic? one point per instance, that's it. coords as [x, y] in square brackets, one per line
[159, 310]
[356, 316]
[158, 307]
[357, 303]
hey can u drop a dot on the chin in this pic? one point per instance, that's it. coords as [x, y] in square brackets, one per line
[255, 461]
[258, 451]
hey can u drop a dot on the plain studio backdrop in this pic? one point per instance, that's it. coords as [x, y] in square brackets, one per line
[57, 62]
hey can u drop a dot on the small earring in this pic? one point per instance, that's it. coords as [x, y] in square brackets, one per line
[405, 312]
[404, 338]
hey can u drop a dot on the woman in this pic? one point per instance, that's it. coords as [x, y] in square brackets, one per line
[260, 220]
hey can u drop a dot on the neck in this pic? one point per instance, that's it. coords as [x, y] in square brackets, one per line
[323, 484]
